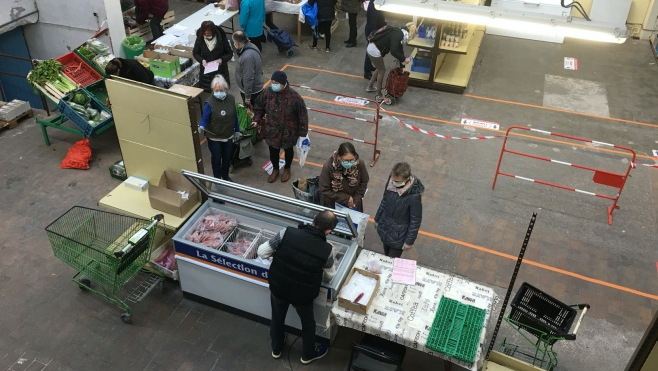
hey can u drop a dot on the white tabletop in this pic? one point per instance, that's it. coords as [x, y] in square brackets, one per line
[288, 8]
[209, 12]
[404, 313]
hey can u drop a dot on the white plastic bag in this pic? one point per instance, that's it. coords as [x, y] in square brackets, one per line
[302, 148]
[359, 219]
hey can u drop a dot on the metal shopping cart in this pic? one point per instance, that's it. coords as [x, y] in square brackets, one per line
[542, 321]
[106, 248]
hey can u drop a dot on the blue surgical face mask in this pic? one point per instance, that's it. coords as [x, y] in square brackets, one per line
[220, 94]
[347, 164]
[276, 87]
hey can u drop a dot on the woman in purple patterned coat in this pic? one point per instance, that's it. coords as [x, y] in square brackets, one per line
[285, 120]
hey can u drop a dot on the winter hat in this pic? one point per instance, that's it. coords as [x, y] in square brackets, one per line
[280, 77]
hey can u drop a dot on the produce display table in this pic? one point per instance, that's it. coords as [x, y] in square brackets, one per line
[289, 8]
[404, 313]
[136, 203]
[57, 123]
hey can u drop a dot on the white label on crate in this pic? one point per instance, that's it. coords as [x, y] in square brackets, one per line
[480, 124]
[570, 63]
[348, 100]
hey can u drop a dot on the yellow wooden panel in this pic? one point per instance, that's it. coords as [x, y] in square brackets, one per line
[153, 131]
[150, 162]
[651, 363]
[153, 101]
[637, 13]
[456, 69]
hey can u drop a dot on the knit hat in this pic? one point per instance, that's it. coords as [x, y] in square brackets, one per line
[280, 77]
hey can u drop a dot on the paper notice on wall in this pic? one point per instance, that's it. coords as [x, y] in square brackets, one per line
[268, 166]
[570, 63]
[480, 124]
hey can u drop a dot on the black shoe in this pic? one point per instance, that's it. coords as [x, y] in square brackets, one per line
[348, 41]
[350, 45]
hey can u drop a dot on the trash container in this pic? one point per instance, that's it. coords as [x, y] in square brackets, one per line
[133, 46]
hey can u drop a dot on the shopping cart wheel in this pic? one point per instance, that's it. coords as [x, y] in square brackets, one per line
[84, 284]
[127, 318]
[388, 101]
[384, 92]
[289, 53]
[379, 98]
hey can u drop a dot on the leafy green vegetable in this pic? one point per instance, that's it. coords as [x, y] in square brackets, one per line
[48, 71]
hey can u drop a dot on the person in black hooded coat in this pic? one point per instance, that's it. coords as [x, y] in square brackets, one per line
[400, 213]
[212, 44]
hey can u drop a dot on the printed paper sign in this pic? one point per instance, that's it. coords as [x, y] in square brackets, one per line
[570, 63]
[352, 101]
[655, 152]
[268, 166]
[480, 124]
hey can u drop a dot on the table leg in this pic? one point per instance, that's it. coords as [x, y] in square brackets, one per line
[447, 365]
[299, 32]
[45, 134]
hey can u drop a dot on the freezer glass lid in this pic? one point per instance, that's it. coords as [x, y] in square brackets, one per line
[267, 202]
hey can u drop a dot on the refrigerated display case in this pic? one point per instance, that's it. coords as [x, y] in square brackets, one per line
[224, 270]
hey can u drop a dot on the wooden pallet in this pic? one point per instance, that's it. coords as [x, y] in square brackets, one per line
[143, 30]
[14, 122]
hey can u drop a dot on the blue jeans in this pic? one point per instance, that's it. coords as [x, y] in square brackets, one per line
[221, 154]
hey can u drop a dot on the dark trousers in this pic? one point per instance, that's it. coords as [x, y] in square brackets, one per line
[277, 329]
[156, 28]
[253, 98]
[324, 27]
[269, 21]
[392, 251]
[221, 154]
[274, 157]
[352, 23]
[258, 41]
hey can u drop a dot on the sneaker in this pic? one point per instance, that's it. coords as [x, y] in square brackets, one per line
[313, 47]
[275, 355]
[370, 89]
[321, 350]
[327, 50]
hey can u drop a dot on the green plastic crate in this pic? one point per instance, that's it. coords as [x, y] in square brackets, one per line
[456, 330]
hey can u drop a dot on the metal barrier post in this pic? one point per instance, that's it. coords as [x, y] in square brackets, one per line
[376, 151]
[607, 178]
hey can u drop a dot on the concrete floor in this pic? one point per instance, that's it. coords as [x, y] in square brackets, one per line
[468, 229]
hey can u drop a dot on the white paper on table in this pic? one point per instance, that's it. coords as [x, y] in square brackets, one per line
[404, 271]
[179, 30]
[211, 66]
[164, 39]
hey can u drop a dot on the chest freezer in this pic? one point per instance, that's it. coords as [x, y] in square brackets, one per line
[216, 250]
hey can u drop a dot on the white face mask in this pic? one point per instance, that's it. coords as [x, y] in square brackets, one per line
[209, 37]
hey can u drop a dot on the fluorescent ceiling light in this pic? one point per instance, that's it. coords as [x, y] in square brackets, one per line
[515, 20]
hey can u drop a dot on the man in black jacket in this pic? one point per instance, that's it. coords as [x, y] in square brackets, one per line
[129, 69]
[301, 256]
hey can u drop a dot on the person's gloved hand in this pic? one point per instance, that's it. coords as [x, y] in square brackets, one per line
[202, 128]
[236, 136]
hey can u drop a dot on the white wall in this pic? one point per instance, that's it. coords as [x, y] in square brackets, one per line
[64, 25]
[13, 13]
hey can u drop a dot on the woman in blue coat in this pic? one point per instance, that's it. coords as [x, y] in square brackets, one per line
[252, 16]
[400, 213]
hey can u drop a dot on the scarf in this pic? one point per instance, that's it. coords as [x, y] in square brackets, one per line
[211, 43]
[338, 172]
[400, 191]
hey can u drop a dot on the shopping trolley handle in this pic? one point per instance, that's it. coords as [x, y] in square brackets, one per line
[139, 236]
[584, 308]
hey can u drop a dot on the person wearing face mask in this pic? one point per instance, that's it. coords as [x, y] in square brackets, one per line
[248, 68]
[212, 44]
[344, 179]
[221, 127]
[285, 120]
[388, 39]
[400, 213]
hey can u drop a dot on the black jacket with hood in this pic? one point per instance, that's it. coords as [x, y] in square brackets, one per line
[398, 217]
[390, 40]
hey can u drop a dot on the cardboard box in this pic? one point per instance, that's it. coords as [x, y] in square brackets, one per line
[358, 307]
[164, 65]
[181, 51]
[166, 197]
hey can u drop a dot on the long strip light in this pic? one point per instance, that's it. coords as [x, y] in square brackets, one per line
[508, 19]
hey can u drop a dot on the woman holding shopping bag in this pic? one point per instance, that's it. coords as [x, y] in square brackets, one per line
[344, 179]
[400, 213]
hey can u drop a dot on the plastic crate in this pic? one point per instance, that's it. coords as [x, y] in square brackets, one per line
[78, 70]
[536, 310]
[99, 91]
[421, 65]
[456, 330]
[93, 65]
[79, 121]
